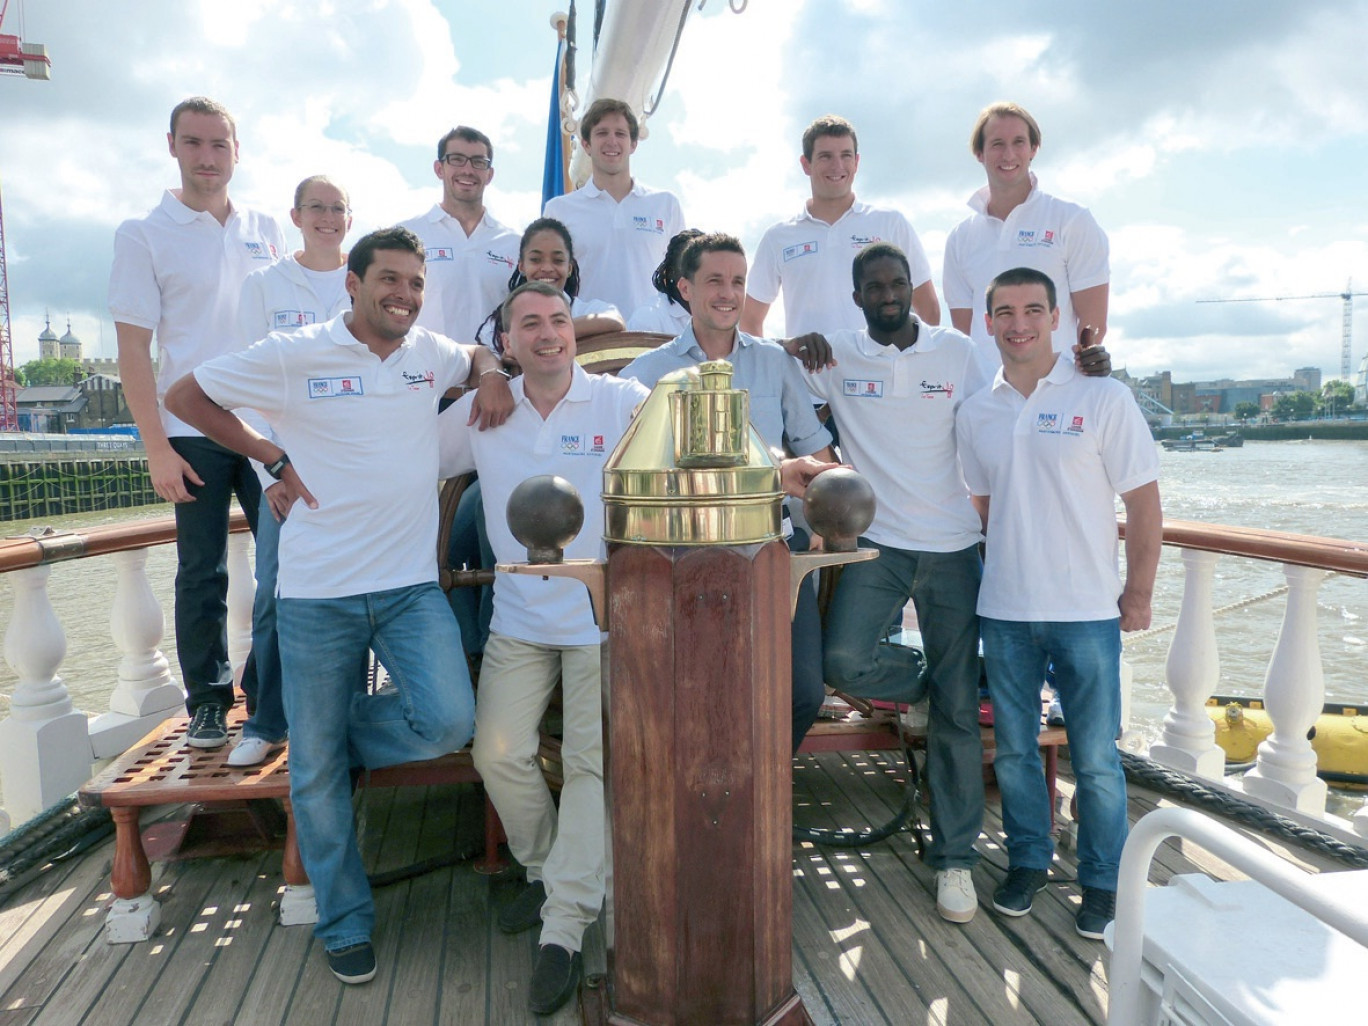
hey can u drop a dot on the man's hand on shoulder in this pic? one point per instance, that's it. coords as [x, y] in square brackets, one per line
[812, 349]
[493, 403]
[1091, 358]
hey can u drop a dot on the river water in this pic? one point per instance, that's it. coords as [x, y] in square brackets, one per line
[1310, 487]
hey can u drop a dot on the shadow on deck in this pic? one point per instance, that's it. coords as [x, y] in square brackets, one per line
[868, 945]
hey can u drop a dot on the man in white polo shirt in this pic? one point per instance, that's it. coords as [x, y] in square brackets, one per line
[1015, 224]
[564, 422]
[893, 392]
[808, 256]
[620, 227]
[1045, 452]
[178, 273]
[353, 402]
[470, 256]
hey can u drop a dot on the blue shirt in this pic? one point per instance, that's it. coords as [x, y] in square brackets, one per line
[780, 404]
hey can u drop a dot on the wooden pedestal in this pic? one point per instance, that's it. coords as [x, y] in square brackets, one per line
[699, 779]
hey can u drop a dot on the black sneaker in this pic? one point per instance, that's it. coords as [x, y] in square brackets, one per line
[208, 727]
[1098, 909]
[355, 964]
[555, 978]
[1017, 892]
[524, 911]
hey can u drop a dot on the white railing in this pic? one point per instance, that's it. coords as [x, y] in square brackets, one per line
[1284, 776]
[47, 748]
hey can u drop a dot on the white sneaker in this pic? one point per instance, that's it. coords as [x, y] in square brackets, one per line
[250, 751]
[955, 897]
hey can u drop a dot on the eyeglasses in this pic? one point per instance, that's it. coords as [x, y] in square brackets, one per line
[461, 160]
[325, 208]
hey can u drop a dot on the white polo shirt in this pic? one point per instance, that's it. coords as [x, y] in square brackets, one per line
[810, 261]
[286, 296]
[179, 273]
[467, 275]
[1052, 464]
[1051, 235]
[662, 315]
[896, 414]
[362, 436]
[574, 442]
[618, 245]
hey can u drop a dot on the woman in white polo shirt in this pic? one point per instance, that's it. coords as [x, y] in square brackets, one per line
[307, 287]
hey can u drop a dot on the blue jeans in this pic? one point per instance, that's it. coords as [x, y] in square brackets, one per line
[201, 613]
[430, 712]
[470, 546]
[809, 690]
[943, 587]
[1087, 671]
[265, 705]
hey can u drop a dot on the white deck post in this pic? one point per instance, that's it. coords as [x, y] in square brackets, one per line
[1294, 692]
[241, 592]
[146, 693]
[45, 750]
[1192, 671]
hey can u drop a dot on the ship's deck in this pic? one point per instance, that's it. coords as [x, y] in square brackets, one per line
[868, 946]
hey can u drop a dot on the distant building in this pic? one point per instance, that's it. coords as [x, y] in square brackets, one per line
[50, 409]
[1361, 383]
[71, 345]
[50, 347]
[1160, 391]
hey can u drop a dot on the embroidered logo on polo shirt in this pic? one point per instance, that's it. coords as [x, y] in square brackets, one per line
[597, 444]
[440, 253]
[417, 379]
[801, 250]
[647, 224]
[497, 258]
[334, 388]
[260, 250]
[284, 319]
[861, 241]
[930, 389]
[1075, 427]
[570, 444]
[858, 388]
[1030, 238]
[1047, 423]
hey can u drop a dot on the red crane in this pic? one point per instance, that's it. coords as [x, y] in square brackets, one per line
[28, 60]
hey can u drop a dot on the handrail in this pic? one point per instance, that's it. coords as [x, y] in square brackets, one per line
[39, 549]
[1345, 557]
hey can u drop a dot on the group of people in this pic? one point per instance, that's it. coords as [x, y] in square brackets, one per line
[309, 386]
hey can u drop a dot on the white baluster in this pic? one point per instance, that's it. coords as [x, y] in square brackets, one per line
[44, 743]
[1192, 671]
[146, 693]
[241, 590]
[1294, 692]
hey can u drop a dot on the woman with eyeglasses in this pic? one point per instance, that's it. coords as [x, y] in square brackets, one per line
[307, 287]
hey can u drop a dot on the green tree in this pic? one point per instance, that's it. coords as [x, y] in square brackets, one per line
[1295, 405]
[1246, 411]
[51, 372]
[1336, 397]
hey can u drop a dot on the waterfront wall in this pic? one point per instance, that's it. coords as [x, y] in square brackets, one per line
[1325, 430]
[53, 486]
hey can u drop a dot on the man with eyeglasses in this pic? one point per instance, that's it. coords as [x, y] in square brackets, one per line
[178, 273]
[470, 256]
[808, 256]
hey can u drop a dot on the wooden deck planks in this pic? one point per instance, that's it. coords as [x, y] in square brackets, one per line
[868, 945]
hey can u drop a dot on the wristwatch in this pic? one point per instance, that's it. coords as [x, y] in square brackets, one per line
[278, 467]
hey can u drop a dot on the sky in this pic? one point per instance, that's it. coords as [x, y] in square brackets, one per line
[1220, 144]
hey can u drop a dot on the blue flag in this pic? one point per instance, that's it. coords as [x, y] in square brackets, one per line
[553, 176]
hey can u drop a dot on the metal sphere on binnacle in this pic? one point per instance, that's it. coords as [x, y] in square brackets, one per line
[545, 513]
[839, 505]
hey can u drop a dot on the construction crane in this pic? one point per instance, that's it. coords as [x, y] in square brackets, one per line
[27, 60]
[1347, 336]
